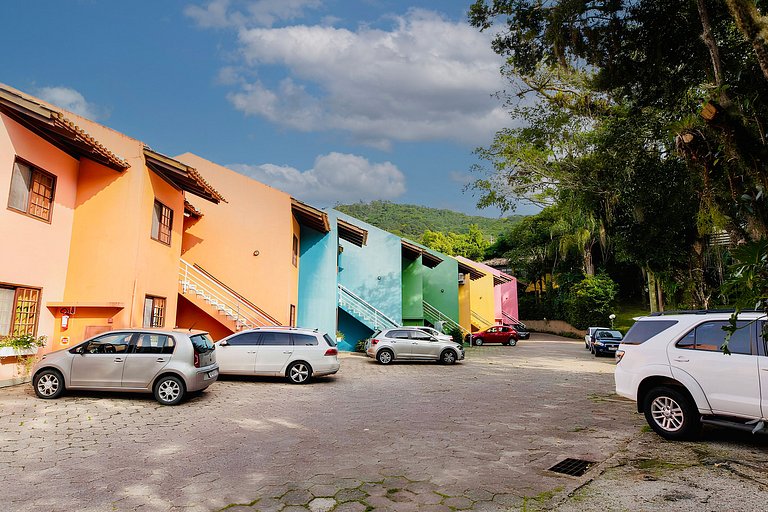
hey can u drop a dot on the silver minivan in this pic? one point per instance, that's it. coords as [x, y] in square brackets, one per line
[167, 363]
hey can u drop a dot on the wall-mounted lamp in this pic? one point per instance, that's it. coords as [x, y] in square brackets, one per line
[378, 277]
[341, 249]
[256, 253]
[442, 290]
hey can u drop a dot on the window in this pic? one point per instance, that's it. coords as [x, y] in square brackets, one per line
[246, 338]
[420, 335]
[154, 311]
[398, 335]
[18, 310]
[292, 316]
[31, 191]
[155, 344]
[202, 343]
[304, 340]
[109, 344]
[276, 339]
[710, 337]
[295, 254]
[332, 342]
[643, 330]
[162, 223]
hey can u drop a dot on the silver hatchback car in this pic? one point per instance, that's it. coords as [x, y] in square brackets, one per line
[167, 363]
[408, 343]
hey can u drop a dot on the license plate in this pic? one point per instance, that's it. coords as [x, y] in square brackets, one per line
[212, 374]
[612, 348]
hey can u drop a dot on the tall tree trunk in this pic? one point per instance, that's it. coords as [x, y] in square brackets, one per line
[652, 299]
[589, 265]
[754, 27]
[714, 51]
[660, 295]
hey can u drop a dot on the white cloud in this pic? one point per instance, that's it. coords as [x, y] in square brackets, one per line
[264, 13]
[424, 78]
[71, 100]
[335, 177]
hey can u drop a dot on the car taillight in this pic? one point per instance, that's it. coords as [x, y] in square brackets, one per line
[619, 356]
[331, 352]
[373, 342]
[197, 359]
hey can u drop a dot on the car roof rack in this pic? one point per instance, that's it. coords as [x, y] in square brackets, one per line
[285, 327]
[703, 311]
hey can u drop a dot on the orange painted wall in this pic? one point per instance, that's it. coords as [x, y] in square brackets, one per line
[189, 315]
[255, 218]
[113, 257]
[35, 252]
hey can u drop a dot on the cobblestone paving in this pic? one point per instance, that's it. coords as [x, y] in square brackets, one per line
[478, 435]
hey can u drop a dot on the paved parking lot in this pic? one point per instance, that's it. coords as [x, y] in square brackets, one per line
[478, 435]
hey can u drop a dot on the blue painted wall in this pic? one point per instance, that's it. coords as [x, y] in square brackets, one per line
[317, 280]
[374, 271]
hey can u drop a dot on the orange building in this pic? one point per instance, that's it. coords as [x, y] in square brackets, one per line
[240, 259]
[93, 227]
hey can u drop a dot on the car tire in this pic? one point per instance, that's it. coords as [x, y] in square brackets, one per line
[671, 413]
[299, 372]
[596, 352]
[448, 356]
[49, 384]
[512, 341]
[478, 342]
[169, 390]
[385, 356]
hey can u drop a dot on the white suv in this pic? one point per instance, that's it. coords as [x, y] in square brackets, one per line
[674, 367]
[296, 353]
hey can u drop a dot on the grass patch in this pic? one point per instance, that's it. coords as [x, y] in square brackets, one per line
[657, 466]
[625, 316]
[646, 428]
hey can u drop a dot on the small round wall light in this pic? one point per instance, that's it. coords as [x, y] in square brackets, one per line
[378, 277]
[256, 252]
[442, 290]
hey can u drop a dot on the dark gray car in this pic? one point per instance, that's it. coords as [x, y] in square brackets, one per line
[167, 363]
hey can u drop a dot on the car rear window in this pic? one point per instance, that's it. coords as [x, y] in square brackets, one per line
[202, 343]
[330, 341]
[643, 330]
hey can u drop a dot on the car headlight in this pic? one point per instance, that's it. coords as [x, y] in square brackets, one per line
[599, 343]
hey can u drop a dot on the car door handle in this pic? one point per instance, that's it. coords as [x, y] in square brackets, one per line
[681, 360]
[161, 359]
[287, 351]
[118, 359]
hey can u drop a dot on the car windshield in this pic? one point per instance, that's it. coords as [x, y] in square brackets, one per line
[330, 341]
[609, 335]
[202, 343]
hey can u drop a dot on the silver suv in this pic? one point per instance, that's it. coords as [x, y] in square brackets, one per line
[408, 343]
[167, 363]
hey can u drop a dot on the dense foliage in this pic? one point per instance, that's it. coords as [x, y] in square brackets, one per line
[641, 128]
[413, 221]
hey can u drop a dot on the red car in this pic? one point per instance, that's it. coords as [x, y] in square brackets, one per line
[497, 334]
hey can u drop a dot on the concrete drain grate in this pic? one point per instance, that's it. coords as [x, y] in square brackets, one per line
[572, 467]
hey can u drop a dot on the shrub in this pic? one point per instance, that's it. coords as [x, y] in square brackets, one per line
[22, 341]
[457, 336]
[360, 345]
[591, 301]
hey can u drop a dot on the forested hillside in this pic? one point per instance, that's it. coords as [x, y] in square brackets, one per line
[412, 221]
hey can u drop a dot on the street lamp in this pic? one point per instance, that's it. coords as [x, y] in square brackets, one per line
[612, 317]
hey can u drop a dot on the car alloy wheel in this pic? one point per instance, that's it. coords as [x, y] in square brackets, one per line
[671, 413]
[478, 342]
[512, 341]
[49, 384]
[299, 373]
[384, 356]
[448, 357]
[169, 390]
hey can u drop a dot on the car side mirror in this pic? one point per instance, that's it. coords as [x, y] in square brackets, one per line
[433, 339]
[223, 343]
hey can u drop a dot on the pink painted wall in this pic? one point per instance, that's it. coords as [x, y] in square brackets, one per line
[35, 252]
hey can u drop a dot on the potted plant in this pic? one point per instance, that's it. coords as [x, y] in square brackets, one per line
[20, 345]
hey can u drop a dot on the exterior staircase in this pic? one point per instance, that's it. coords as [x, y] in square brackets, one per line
[480, 321]
[363, 311]
[230, 308]
[509, 319]
[434, 315]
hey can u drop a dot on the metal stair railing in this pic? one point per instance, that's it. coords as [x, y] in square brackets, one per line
[245, 316]
[364, 311]
[483, 323]
[433, 314]
[511, 318]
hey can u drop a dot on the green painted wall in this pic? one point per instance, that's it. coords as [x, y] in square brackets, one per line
[441, 286]
[413, 308]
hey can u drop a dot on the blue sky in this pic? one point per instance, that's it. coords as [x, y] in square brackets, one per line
[330, 100]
